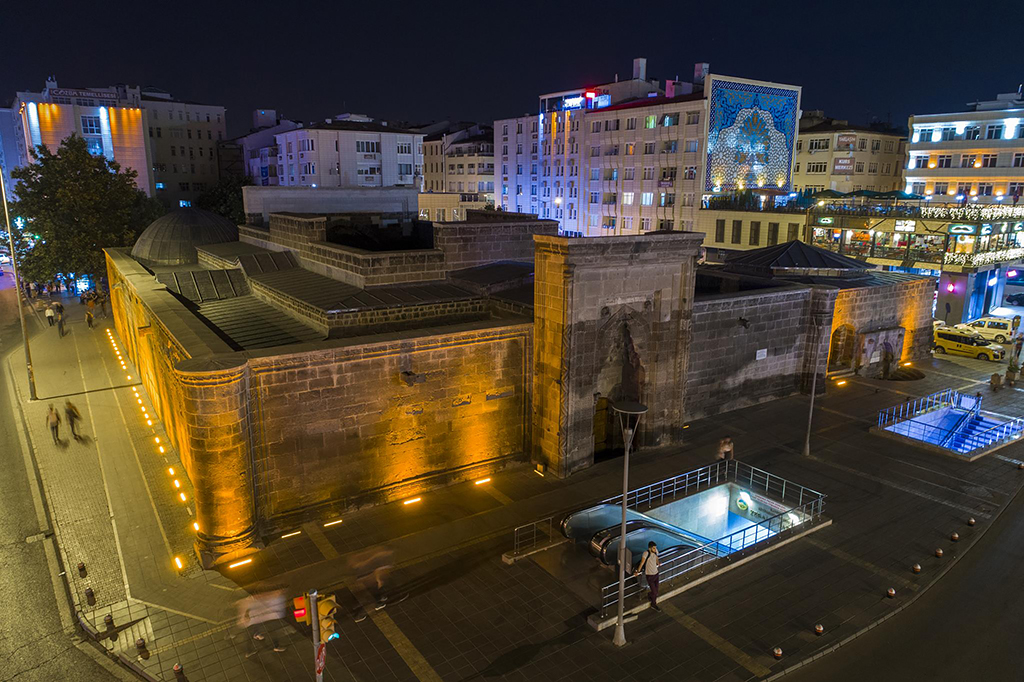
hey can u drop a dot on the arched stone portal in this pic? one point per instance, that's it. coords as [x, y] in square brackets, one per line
[611, 317]
[842, 348]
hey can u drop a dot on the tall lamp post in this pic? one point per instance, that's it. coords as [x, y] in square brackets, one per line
[629, 419]
[18, 289]
[817, 321]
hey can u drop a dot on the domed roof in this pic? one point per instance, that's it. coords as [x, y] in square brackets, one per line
[171, 239]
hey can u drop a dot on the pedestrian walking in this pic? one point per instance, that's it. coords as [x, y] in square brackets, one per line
[88, 318]
[725, 449]
[255, 612]
[103, 305]
[649, 565]
[60, 324]
[73, 416]
[53, 421]
[50, 315]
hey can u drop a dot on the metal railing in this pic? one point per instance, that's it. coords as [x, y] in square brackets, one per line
[535, 535]
[996, 434]
[910, 409]
[807, 509]
[972, 413]
[683, 484]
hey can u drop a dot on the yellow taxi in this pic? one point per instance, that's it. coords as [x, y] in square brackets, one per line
[967, 343]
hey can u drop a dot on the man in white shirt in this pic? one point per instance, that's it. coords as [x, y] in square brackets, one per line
[649, 565]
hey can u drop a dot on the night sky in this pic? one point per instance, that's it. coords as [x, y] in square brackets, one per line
[432, 60]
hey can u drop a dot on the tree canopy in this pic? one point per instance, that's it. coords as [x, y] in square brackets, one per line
[77, 204]
[225, 198]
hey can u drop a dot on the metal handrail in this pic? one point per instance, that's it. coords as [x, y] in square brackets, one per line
[910, 409]
[531, 535]
[1005, 430]
[749, 537]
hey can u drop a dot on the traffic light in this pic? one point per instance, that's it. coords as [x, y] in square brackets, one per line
[327, 606]
[300, 609]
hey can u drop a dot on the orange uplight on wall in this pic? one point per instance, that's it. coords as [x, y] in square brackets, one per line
[950, 288]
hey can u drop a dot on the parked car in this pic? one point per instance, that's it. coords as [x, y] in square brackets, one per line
[4, 259]
[1015, 299]
[998, 329]
[956, 341]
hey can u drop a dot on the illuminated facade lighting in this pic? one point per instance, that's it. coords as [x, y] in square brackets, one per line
[332, 523]
[243, 562]
[482, 481]
[413, 500]
[291, 535]
[177, 562]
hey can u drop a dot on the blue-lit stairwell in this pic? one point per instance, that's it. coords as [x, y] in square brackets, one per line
[974, 433]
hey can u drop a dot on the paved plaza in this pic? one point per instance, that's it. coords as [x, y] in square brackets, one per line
[463, 613]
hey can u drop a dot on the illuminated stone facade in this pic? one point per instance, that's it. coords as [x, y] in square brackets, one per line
[612, 322]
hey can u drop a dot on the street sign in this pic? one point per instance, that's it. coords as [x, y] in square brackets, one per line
[321, 658]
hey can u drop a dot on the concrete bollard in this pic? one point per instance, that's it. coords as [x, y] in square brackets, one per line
[81, 569]
[891, 592]
[140, 644]
[955, 536]
[179, 672]
[938, 552]
[971, 521]
[90, 597]
[108, 621]
[777, 653]
[1020, 466]
[916, 568]
[819, 629]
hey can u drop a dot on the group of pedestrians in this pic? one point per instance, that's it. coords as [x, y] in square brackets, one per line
[55, 316]
[53, 421]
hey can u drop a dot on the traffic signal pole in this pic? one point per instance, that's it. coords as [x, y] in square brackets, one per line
[316, 630]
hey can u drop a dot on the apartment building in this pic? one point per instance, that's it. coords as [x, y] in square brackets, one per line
[832, 154]
[183, 139]
[259, 147]
[111, 121]
[170, 143]
[601, 167]
[971, 156]
[460, 159]
[349, 153]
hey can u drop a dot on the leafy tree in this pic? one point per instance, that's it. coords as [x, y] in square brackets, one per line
[77, 204]
[225, 198]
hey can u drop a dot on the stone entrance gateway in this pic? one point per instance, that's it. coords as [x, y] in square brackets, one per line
[611, 322]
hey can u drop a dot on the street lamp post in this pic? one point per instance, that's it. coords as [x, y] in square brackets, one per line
[18, 289]
[629, 419]
[816, 334]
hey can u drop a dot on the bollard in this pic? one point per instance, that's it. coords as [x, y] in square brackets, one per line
[140, 644]
[90, 597]
[81, 569]
[819, 629]
[938, 552]
[916, 568]
[108, 621]
[955, 536]
[179, 672]
[1020, 465]
[777, 652]
[971, 521]
[891, 592]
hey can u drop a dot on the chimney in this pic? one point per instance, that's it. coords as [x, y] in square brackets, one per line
[640, 68]
[670, 88]
[700, 72]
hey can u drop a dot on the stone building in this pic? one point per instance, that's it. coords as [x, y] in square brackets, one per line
[325, 362]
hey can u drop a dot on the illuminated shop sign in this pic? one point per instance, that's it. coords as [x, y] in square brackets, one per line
[92, 94]
[751, 134]
[963, 229]
[573, 102]
[986, 229]
[1017, 227]
[825, 220]
[846, 141]
[602, 101]
[906, 225]
[843, 166]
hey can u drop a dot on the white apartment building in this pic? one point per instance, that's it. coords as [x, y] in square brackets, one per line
[460, 161]
[349, 154]
[832, 154]
[259, 148]
[971, 156]
[606, 167]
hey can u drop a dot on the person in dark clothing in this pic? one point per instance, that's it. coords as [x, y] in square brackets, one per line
[53, 421]
[650, 563]
[88, 318]
[73, 415]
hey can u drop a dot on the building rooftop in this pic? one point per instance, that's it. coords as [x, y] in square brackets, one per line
[794, 255]
[831, 125]
[652, 102]
[172, 238]
[359, 126]
[246, 323]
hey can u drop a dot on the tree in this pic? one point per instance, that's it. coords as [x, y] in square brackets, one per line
[225, 198]
[72, 204]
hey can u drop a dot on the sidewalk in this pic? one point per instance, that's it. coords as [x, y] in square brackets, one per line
[468, 616]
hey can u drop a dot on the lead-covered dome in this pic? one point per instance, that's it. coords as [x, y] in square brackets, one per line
[172, 238]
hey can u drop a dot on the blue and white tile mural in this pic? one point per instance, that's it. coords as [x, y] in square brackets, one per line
[752, 129]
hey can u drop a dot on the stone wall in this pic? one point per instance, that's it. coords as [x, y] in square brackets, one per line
[730, 331]
[906, 304]
[483, 239]
[612, 322]
[370, 420]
